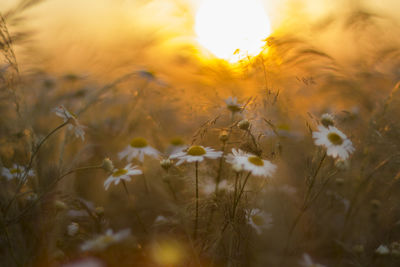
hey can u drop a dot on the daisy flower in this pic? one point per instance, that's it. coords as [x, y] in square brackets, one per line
[137, 149]
[121, 174]
[259, 220]
[73, 123]
[17, 171]
[334, 141]
[308, 262]
[233, 105]
[176, 145]
[251, 163]
[196, 154]
[103, 241]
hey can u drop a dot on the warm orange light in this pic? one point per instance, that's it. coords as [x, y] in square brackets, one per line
[228, 26]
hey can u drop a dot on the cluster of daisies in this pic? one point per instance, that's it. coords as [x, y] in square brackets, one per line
[138, 148]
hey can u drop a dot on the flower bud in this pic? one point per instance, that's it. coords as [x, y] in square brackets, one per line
[327, 120]
[166, 164]
[99, 211]
[223, 136]
[244, 124]
[60, 205]
[107, 165]
[73, 229]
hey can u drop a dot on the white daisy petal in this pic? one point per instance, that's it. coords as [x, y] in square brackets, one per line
[336, 143]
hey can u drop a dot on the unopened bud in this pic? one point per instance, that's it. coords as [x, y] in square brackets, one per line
[73, 229]
[327, 120]
[107, 165]
[60, 205]
[99, 211]
[166, 164]
[244, 124]
[223, 136]
[237, 167]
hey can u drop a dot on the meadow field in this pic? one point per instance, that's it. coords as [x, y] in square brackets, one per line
[125, 142]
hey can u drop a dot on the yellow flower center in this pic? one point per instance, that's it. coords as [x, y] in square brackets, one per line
[14, 171]
[107, 239]
[255, 161]
[177, 141]
[119, 172]
[234, 108]
[257, 220]
[196, 151]
[138, 142]
[335, 139]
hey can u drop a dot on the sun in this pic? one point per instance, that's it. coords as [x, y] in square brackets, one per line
[229, 28]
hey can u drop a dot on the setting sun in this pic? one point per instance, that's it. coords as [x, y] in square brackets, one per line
[228, 26]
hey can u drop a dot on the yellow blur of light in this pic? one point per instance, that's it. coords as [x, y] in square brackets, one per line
[231, 27]
[168, 253]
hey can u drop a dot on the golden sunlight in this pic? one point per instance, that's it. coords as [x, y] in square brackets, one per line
[229, 28]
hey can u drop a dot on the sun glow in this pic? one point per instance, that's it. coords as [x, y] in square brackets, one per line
[232, 28]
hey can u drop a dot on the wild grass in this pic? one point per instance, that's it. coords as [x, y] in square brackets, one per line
[304, 205]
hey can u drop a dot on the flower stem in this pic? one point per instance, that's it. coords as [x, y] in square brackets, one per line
[47, 190]
[197, 201]
[236, 201]
[27, 169]
[304, 207]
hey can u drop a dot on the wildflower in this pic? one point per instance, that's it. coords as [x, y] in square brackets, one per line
[308, 262]
[196, 154]
[259, 220]
[244, 125]
[137, 149]
[122, 174]
[209, 187]
[103, 241]
[17, 171]
[176, 145]
[87, 262]
[327, 120]
[335, 141]
[73, 229]
[382, 250]
[233, 105]
[251, 163]
[107, 165]
[73, 123]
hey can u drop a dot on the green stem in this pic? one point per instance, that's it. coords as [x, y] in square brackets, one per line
[303, 208]
[34, 203]
[236, 201]
[197, 201]
[27, 169]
